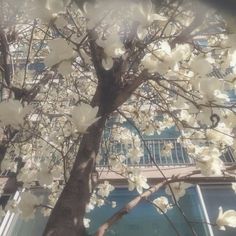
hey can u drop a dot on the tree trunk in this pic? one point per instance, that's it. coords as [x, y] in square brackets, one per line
[3, 150]
[67, 216]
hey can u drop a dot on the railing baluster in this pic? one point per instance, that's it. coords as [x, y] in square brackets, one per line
[159, 151]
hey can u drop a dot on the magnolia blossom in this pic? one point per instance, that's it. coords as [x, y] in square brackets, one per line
[138, 181]
[215, 92]
[162, 58]
[116, 162]
[60, 50]
[55, 6]
[65, 68]
[127, 138]
[100, 202]
[166, 150]
[145, 13]
[107, 63]
[210, 165]
[27, 205]
[200, 65]
[181, 52]
[44, 175]
[120, 13]
[162, 204]
[218, 135]
[113, 204]
[27, 175]
[227, 218]
[234, 187]
[8, 165]
[113, 48]
[13, 113]
[86, 222]
[96, 200]
[46, 9]
[83, 116]
[105, 189]
[92, 202]
[159, 60]
[209, 161]
[178, 189]
[150, 63]
[145, 16]
[135, 154]
[112, 45]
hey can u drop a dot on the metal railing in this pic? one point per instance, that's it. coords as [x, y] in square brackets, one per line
[153, 149]
[228, 156]
[176, 156]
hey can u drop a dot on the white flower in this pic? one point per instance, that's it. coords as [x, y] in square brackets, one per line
[92, 202]
[89, 207]
[105, 189]
[215, 91]
[150, 63]
[54, 6]
[209, 161]
[112, 45]
[45, 10]
[209, 166]
[60, 22]
[12, 113]
[27, 205]
[141, 32]
[227, 218]
[181, 52]
[178, 189]
[200, 65]
[135, 154]
[44, 176]
[65, 68]
[223, 135]
[116, 162]
[159, 60]
[100, 202]
[8, 165]
[59, 51]
[234, 187]
[162, 204]
[166, 150]
[138, 181]
[145, 16]
[83, 116]
[86, 222]
[113, 204]
[107, 63]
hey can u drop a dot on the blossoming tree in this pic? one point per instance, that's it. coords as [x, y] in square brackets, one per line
[128, 61]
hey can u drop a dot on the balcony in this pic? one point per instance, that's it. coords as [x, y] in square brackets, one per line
[177, 156]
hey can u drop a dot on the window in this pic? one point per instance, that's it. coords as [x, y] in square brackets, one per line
[145, 220]
[215, 196]
[13, 225]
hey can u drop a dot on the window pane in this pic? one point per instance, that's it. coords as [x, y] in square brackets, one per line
[32, 227]
[215, 196]
[145, 220]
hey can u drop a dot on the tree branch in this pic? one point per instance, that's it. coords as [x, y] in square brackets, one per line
[126, 209]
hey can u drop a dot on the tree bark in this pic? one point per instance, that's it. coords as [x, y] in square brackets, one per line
[3, 150]
[68, 213]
